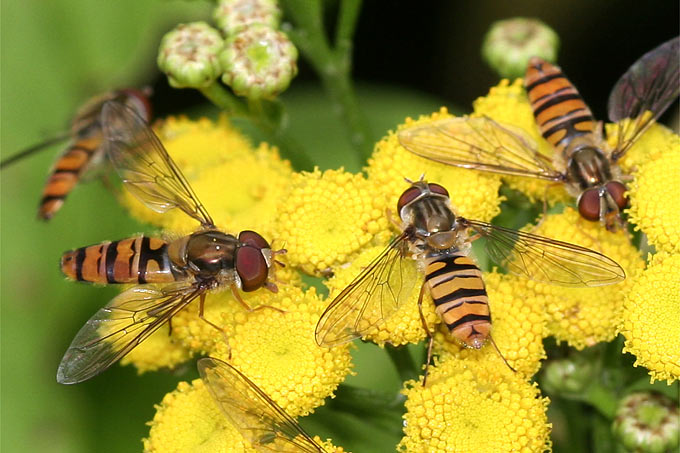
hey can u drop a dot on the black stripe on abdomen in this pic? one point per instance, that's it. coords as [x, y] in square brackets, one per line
[468, 318]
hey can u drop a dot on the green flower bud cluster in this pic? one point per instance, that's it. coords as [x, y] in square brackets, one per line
[648, 422]
[510, 43]
[256, 59]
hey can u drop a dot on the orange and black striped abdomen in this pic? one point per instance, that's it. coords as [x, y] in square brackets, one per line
[559, 110]
[134, 260]
[460, 298]
[67, 171]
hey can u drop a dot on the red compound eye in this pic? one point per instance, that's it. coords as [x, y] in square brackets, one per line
[139, 102]
[251, 267]
[253, 239]
[436, 188]
[408, 196]
[589, 204]
[617, 190]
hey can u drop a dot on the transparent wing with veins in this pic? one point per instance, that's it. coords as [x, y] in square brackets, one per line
[119, 327]
[147, 170]
[546, 260]
[372, 297]
[480, 144]
[252, 412]
[644, 92]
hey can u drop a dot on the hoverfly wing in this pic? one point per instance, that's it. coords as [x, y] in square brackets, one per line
[252, 412]
[376, 293]
[651, 84]
[478, 143]
[547, 260]
[116, 329]
[145, 166]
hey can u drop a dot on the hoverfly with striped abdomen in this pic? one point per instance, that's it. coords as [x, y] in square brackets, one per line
[85, 153]
[440, 241]
[186, 268]
[583, 160]
[252, 412]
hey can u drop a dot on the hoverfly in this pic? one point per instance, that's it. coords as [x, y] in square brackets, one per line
[583, 160]
[252, 412]
[85, 152]
[187, 268]
[440, 241]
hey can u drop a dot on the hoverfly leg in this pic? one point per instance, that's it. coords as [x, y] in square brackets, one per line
[545, 203]
[248, 308]
[501, 355]
[170, 327]
[392, 220]
[430, 336]
[201, 304]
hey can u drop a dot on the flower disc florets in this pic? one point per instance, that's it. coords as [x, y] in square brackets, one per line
[473, 194]
[651, 318]
[232, 15]
[188, 55]
[258, 62]
[474, 406]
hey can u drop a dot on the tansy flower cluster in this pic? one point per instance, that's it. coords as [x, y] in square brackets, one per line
[334, 223]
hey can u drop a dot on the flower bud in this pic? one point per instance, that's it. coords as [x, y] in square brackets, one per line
[567, 376]
[648, 422]
[233, 15]
[258, 62]
[510, 43]
[189, 55]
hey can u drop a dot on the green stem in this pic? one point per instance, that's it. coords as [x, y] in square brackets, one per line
[602, 399]
[223, 99]
[333, 65]
[359, 400]
[403, 362]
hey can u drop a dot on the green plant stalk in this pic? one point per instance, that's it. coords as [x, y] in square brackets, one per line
[333, 65]
[602, 399]
[224, 100]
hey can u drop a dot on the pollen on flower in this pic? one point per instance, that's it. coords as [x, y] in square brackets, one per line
[507, 103]
[473, 194]
[474, 406]
[651, 318]
[518, 329]
[239, 185]
[585, 316]
[404, 325]
[326, 218]
[277, 350]
[328, 446]
[188, 420]
[654, 197]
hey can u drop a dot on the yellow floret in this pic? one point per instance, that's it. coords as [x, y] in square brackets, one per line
[654, 201]
[474, 406]
[519, 326]
[651, 318]
[654, 143]
[508, 104]
[326, 218]
[473, 194]
[278, 351]
[239, 185]
[188, 420]
[585, 316]
[404, 325]
[160, 350]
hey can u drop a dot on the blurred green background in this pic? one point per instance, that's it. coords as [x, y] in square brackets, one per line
[57, 53]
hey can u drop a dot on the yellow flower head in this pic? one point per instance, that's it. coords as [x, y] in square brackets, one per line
[279, 352]
[655, 206]
[654, 143]
[188, 420]
[473, 194]
[508, 104]
[585, 316]
[474, 406]
[651, 318]
[404, 326]
[518, 328]
[326, 218]
[239, 185]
